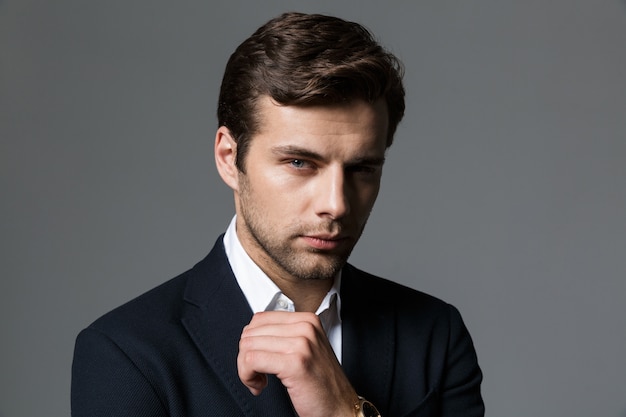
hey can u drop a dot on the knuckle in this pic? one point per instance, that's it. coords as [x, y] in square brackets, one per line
[303, 345]
[302, 362]
[250, 357]
[309, 330]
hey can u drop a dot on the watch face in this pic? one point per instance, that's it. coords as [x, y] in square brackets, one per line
[369, 410]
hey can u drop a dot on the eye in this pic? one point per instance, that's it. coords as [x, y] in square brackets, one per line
[364, 170]
[301, 167]
[298, 163]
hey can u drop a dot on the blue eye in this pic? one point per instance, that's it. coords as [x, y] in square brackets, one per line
[298, 163]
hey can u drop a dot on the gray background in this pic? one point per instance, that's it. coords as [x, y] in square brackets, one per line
[504, 193]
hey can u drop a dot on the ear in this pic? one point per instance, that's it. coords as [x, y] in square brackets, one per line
[225, 154]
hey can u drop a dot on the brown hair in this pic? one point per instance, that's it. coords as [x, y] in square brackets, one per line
[299, 59]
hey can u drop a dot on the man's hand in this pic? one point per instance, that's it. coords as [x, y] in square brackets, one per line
[294, 347]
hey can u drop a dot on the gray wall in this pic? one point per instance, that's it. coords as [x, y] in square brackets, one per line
[504, 193]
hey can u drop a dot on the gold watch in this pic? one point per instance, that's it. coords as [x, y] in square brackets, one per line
[364, 408]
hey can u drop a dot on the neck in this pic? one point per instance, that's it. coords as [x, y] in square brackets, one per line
[307, 295]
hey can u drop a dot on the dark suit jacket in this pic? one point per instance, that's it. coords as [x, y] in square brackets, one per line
[172, 351]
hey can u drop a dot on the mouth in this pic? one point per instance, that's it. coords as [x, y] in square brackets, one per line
[325, 242]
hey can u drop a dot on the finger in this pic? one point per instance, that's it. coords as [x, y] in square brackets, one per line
[302, 329]
[284, 317]
[284, 324]
[252, 363]
[256, 382]
[253, 366]
[278, 344]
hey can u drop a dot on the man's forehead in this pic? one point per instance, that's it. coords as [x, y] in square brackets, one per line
[349, 133]
[268, 110]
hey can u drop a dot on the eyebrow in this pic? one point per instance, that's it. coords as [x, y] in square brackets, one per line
[296, 151]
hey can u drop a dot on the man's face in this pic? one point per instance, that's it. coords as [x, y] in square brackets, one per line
[311, 178]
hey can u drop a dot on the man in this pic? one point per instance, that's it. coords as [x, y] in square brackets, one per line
[274, 322]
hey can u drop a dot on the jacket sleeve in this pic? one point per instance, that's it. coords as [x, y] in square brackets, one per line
[453, 365]
[105, 381]
[460, 396]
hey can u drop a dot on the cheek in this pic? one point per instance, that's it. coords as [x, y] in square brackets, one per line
[278, 193]
[366, 196]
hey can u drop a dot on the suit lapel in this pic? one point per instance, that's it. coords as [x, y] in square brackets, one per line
[216, 312]
[368, 327]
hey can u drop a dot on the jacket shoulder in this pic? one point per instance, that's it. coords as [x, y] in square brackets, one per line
[383, 291]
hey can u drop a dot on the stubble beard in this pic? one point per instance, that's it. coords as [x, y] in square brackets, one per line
[302, 264]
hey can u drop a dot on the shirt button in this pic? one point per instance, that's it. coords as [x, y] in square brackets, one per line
[282, 304]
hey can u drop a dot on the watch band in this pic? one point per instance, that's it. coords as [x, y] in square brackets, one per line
[364, 408]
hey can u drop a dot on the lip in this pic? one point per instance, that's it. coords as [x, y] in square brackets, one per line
[325, 242]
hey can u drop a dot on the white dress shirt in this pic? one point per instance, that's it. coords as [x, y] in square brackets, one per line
[263, 295]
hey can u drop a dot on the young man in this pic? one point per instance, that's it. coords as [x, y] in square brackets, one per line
[274, 322]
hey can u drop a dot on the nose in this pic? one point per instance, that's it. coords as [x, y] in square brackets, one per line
[331, 198]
